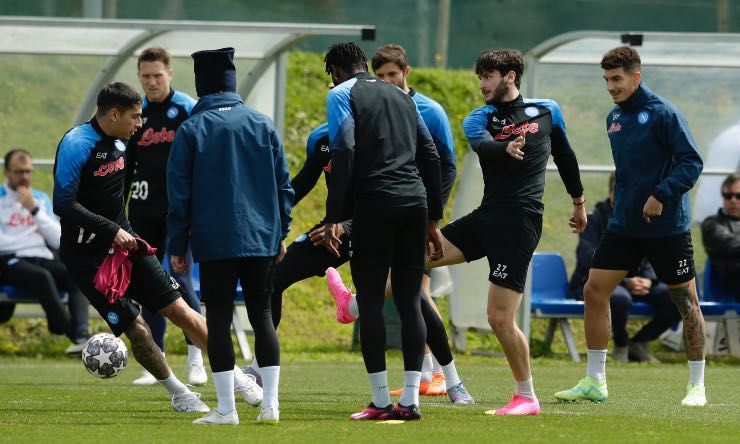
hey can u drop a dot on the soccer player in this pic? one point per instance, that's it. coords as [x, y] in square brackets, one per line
[163, 110]
[89, 173]
[513, 138]
[657, 163]
[390, 63]
[373, 131]
[229, 193]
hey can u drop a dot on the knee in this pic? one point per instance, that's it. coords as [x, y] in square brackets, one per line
[595, 292]
[499, 320]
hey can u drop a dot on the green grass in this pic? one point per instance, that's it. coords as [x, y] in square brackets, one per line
[57, 400]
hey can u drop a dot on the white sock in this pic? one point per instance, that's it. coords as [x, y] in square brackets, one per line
[270, 381]
[173, 385]
[194, 355]
[597, 364]
[426, 367]
[379, 386]
[451, 378]
[696, 372]
[225, 391]
[436, 368]
[525, 388]
[353, 309]
[410, 395]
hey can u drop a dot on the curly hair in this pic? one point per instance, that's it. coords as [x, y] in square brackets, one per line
[502, 60]
[621, 57]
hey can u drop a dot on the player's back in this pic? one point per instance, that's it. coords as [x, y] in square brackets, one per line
[385, 133]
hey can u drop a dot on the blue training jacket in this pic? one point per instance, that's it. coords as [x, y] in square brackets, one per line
[227, 183]
[654, 154]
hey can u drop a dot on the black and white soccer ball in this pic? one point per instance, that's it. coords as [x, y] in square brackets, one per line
[105, 355]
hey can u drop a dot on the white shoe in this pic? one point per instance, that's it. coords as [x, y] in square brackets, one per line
[189, 402]
[247, 386]
[146, 378]
[695, 396]
[215, 418]
[269, 416]
[197, 374]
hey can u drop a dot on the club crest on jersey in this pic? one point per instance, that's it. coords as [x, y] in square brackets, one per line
[120, 146]
[643, 117]
[531, 111]
[172, 112]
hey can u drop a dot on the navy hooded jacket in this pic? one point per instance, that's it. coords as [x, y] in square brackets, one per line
[227, 182]
[654, 154]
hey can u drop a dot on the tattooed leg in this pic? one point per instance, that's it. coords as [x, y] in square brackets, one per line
[694, 335]
[146, 351]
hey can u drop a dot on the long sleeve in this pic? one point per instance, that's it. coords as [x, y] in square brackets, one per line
[282, 180]
[304, 181]
[427, 159]
[687, 164]
[46, 223]
[179, 192]
[566, 161]
[480, 140]
[67, 174]
[342, 141]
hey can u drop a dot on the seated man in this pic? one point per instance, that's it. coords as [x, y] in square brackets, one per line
[27, 232]
[644, 286]
[721, 237]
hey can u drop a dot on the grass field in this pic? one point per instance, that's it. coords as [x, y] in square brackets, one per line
[58, 401]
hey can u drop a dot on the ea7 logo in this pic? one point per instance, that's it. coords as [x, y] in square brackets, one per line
[614, 128]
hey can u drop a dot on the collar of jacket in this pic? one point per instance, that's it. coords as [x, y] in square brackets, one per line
[638, 99]
[218, 100]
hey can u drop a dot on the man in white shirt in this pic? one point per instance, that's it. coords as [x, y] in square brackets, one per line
[28, 232]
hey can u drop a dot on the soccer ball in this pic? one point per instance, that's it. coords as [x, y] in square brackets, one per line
[105, 355]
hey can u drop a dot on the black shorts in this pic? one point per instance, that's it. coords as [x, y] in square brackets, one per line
[150, 286]
[672, 257]
[304, 260]
[506, 236]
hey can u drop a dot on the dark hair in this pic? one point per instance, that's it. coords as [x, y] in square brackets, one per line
[390, 54]
[345, 55]
[621, 57]
[117, 95]
[730, 180]
[612, 180]
[502, 60]
[155, 54]
[9, 156]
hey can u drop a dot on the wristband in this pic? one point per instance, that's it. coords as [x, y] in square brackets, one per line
[35, 210]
